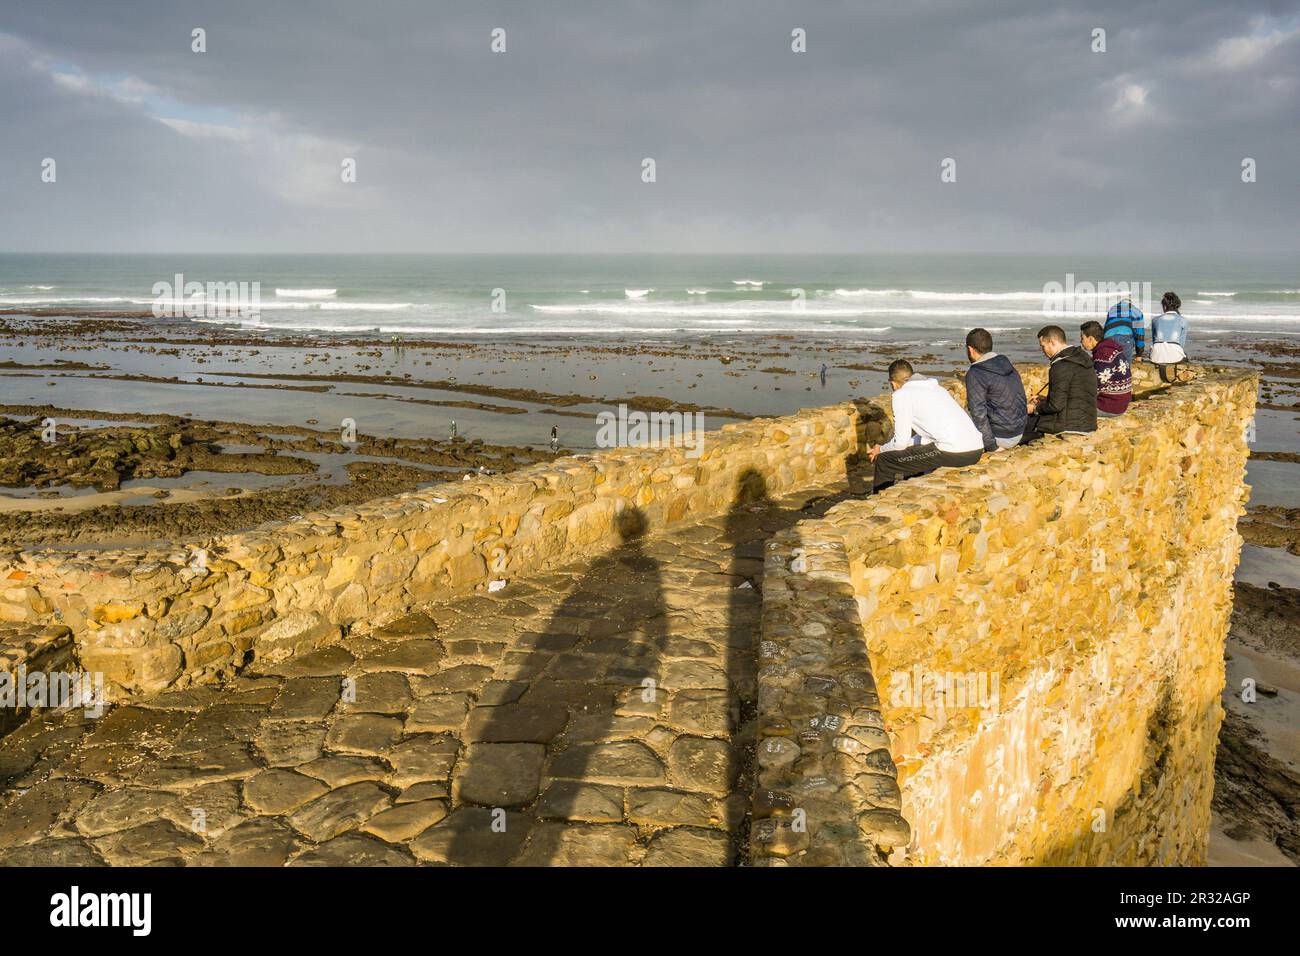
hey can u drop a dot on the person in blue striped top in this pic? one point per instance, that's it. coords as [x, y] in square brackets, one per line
[1169, 339]
[1124, 325]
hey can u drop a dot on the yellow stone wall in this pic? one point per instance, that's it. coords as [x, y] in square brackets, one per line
[1084, 585]
[150, 619]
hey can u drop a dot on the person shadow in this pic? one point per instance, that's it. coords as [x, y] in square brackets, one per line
[562, 710]
[745, 537]
[571, 718]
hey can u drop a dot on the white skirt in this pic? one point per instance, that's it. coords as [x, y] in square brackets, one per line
[1167, 353]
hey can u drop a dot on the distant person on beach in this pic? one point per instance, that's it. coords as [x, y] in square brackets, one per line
[948, 438]
[1114, 371]
[1071, 401]
[995, 394]
[1124, 324]
[1169, 339]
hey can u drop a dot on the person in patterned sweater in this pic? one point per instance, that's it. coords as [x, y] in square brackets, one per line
[1114, 371]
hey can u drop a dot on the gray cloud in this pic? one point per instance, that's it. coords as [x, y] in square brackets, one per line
[758, 148]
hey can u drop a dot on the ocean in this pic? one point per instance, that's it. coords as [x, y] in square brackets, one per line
[885, 298]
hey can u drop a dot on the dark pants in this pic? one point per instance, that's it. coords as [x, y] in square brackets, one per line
[1127, 345]
[892, 466]
[1033, 432]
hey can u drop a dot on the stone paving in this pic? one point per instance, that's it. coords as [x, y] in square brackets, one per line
[597, 715]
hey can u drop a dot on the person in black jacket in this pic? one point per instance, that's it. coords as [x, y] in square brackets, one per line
[1071, 401]
[995, 395]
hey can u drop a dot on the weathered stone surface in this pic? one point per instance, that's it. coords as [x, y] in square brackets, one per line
[556, 844]
[35, 812]
[62, 852]
[663, 807]
[701, 711]
[305, 698]
[341, 771]
[381, 692]
[209, 810]
[122, 809]
[619, 762]
[516, 723]
[288, 743]
[438, 713]
[885, 827]
[499, 775]
[150, 843]
[688, 846]
[422, 758]
[363, 734]
[279, 791]
[230, 761]
[292, 634]
[411, 625]
[463, 677]
[406, 820]
[325, 662]
[217, 726]
[137, 727]
[257, 842]
[574, 800]
[412, 657]
[425, 790]
[474, 836]
[353, 849]
[702, 763]
[339, 811]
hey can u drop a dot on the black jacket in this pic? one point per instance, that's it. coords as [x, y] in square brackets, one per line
[995, 398]
[1071, 403]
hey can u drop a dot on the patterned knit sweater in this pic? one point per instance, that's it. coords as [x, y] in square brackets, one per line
[1114, 377]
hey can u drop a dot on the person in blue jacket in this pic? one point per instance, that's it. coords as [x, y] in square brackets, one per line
[995, 395]
[1124, 325]
[1169, 339]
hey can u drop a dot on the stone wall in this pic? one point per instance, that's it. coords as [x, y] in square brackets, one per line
[149, 619]
[1018, 662]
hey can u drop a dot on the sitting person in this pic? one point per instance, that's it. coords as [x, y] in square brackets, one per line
[1071, 401]
[949, 439]
[1124, 325]
[1169, 339]
[995, 395]
[1114, 372]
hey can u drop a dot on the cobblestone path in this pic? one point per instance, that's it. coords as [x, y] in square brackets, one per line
[598, 715]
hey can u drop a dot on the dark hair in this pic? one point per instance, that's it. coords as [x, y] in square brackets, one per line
[1053, 333]
[1170, 302]
[900, 370]
[1093, 330]
[980, 341]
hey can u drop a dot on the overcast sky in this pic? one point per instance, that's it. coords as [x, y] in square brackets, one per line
[757, 148]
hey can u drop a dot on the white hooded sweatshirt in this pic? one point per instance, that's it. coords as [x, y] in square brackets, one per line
[924, 407]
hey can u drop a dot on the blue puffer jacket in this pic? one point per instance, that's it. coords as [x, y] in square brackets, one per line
[995, 398]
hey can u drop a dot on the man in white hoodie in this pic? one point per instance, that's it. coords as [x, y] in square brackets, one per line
[948, 437]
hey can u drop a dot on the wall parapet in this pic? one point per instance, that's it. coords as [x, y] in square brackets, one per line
[1046, 628]
[153, 618]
